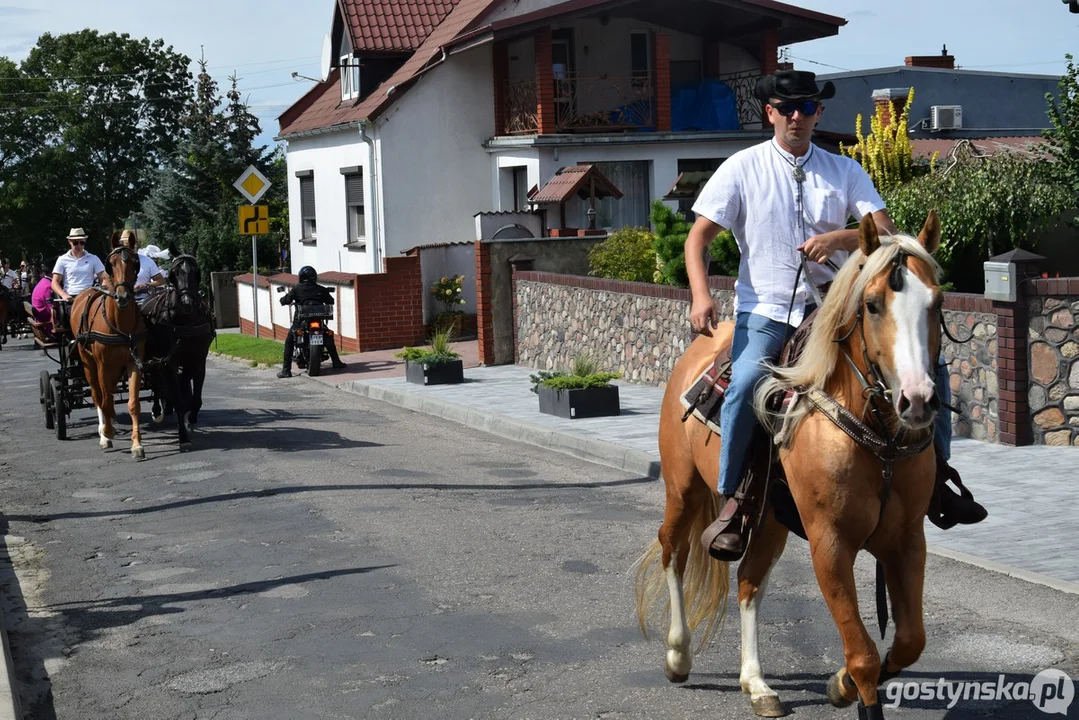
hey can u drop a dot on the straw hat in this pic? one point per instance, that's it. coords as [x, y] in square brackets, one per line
[77, 234]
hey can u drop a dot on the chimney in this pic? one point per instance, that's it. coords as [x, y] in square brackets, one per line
[891, 101]
[943, 61]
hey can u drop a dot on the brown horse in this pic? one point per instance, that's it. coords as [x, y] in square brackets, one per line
[882, 313]
[111, 337]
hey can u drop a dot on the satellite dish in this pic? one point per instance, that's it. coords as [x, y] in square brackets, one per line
[327, 57]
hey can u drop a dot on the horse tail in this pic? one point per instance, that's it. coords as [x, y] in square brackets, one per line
[705, 581]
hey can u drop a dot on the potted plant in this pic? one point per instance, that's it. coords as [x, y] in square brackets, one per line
[583, 392]
[435, 365]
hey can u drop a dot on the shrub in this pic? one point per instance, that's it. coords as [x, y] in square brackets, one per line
[670, 246]
[987, 205]
[448, 291]
[625, 255]
[584, 373]
[438, 353]
[886, 153]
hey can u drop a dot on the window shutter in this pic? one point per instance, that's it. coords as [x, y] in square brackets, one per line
[307, 198]
[354, 189]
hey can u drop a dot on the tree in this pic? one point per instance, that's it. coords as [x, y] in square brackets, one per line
[987, 205]
[1062, 140]
[109, 115]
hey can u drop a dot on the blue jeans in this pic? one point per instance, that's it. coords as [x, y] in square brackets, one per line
[757, 339]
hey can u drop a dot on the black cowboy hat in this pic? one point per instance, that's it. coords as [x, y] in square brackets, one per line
[793, 85]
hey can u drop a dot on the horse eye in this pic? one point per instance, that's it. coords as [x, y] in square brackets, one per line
[872, 307]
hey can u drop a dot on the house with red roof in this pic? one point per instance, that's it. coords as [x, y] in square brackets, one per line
[432, 111]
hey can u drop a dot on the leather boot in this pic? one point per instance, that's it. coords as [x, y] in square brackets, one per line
[947, 508]
[286, 371]
[725, 538]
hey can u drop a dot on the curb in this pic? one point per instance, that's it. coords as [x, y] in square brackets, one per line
[615, 456]
[9, 695]
[597, 451]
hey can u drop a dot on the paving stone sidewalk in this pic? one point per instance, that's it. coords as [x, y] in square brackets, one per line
[1033, 525]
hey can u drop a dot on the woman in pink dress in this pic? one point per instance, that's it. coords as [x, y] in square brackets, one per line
[39, 301]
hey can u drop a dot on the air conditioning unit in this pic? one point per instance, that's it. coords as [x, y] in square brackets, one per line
[946, 117]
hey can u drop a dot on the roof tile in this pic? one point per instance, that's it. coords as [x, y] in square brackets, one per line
[394, 25]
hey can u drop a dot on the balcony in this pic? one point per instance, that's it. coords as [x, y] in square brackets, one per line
[585, 104]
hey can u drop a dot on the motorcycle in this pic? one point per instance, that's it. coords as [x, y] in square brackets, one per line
[311, 336]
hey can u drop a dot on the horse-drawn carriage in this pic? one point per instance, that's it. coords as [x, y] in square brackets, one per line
[108, 347]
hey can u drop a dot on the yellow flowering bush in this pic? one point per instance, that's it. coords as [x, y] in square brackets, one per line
[886, 153]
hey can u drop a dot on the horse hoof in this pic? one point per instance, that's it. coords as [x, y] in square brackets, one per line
[768, 706]
[673, 676]
[138, 452]
[158, 419]
[105, 444]
[835, 693]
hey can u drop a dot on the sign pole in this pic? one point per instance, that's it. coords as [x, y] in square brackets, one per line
[255, 285]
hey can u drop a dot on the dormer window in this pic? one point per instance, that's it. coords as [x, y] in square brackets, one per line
[350, 77]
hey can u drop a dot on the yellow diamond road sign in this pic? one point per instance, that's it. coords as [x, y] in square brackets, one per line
[252, 184]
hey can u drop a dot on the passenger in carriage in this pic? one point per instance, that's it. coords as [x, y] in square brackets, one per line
[76, 269]
[149, 273]
[40, 300]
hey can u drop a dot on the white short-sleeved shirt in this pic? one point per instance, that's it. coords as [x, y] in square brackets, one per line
[147, 270]
[755, 196]
[8, 279]
[78, 273]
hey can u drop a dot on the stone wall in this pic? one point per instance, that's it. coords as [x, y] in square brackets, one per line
[1054, 369]
[636, 329]
[640, 330]
[972, 367]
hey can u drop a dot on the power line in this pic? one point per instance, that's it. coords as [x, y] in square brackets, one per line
[106, 75]
[814, 62]
[133, 101]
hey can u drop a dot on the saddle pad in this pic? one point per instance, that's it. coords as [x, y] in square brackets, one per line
[705, 396]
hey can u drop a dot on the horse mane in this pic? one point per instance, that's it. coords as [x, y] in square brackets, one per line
[818, 361]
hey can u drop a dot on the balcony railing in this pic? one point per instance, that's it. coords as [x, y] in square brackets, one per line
[603, 103]
[744, 85]
[521, 103]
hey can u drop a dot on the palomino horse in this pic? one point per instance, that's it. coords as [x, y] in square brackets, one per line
[111, 338]
[882, 314]
[180, 330]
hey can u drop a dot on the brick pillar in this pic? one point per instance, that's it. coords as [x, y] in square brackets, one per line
[544, 83]
[769, 63]
[891, 102]
[1013, 356]
[663, 82]
[500, 62]
[485, 323]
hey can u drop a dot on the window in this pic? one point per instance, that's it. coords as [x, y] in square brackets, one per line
[350, 77]
[639, 60]
[307, 207]
[357, 234]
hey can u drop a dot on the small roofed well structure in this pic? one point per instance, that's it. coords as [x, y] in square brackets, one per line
[584, 181]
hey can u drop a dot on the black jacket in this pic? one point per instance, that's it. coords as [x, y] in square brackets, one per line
[308, 294]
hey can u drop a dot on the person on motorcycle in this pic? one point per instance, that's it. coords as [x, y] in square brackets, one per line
[307, 292]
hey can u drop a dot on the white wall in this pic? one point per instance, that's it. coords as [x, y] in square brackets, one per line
[436, 173]
[326, 155]
[346, 312]
[502, 192]
[663, 156]
[733, 59]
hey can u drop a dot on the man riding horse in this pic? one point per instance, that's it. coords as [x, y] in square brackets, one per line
[780, 198]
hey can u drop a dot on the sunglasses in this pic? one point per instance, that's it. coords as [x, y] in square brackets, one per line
[77, 242]
[806, 107]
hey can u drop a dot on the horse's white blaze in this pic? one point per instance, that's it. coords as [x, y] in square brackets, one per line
[751, 678]
[678, 637]
[910, 313]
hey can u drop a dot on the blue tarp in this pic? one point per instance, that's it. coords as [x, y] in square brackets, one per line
[709, 105]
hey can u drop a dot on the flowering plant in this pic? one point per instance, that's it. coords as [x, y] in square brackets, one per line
[448, 291]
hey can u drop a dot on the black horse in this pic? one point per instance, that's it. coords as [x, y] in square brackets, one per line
[180, 328]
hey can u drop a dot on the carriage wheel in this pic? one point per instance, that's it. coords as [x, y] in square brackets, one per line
[59, 407]
[48, 403]
[43, 385]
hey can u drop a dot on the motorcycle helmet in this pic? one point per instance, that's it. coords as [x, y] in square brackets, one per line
[308, 274]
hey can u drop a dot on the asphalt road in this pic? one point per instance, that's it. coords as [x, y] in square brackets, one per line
[318, 555]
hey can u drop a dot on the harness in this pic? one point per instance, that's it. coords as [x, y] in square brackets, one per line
[179, 332]
[117, 336]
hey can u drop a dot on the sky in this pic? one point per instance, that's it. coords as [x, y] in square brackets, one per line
[264, 41]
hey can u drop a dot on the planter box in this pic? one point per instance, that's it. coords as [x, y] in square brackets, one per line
[444, 374]
[579, 403]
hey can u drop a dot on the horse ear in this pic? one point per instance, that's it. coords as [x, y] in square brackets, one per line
[114, 241]
[929, 237]
[868, 240]
[173, 251]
